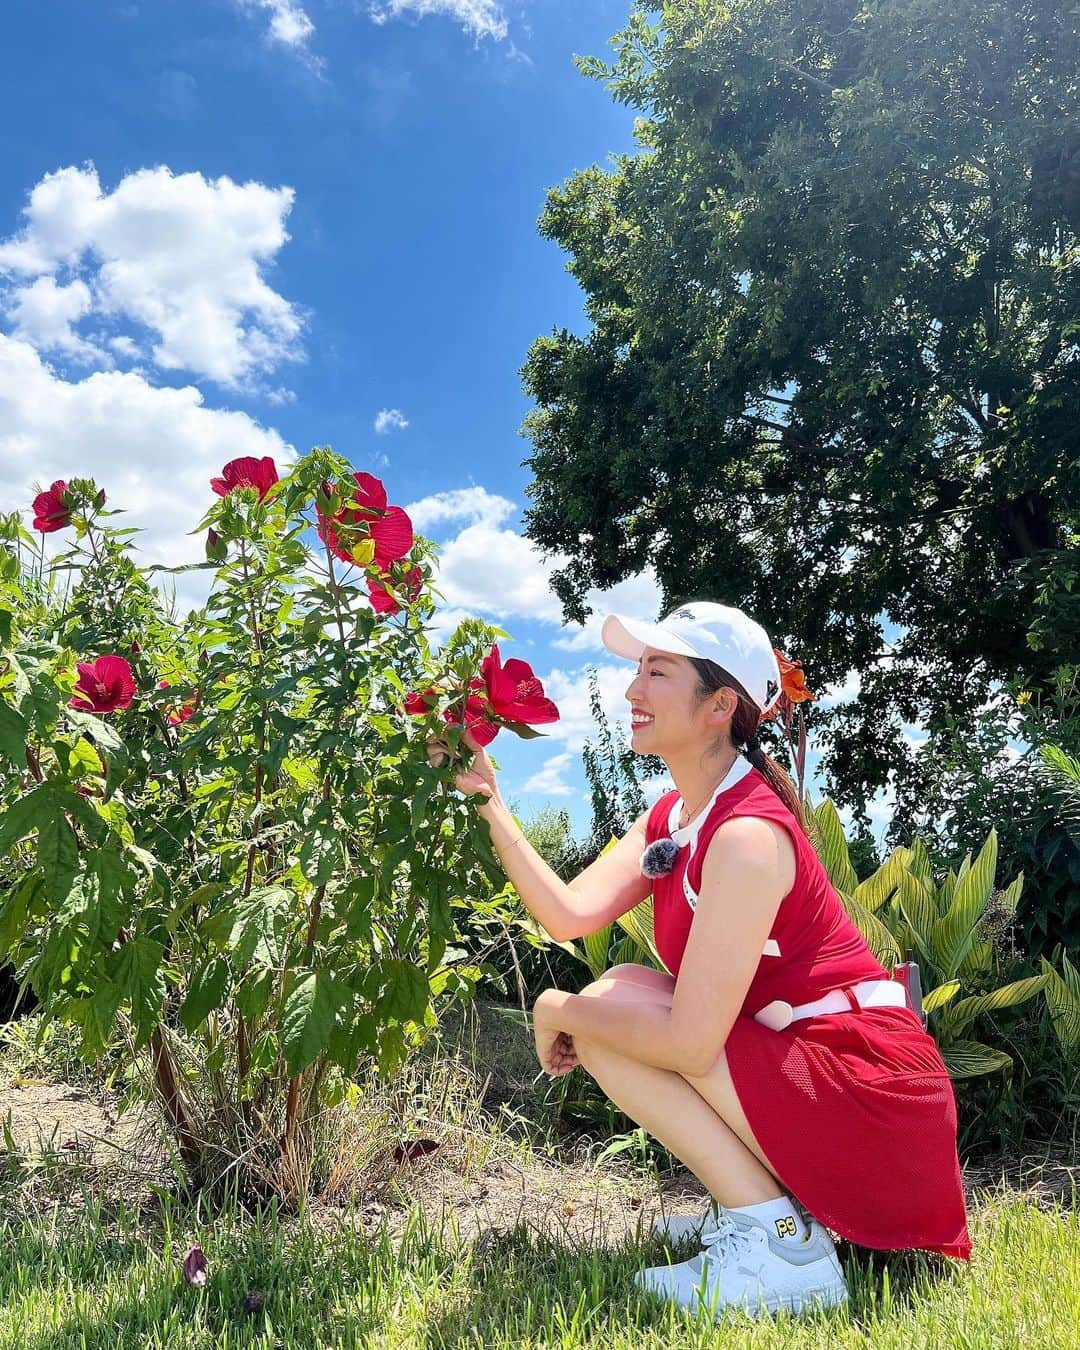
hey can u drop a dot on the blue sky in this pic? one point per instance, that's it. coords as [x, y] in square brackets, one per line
[250, 226]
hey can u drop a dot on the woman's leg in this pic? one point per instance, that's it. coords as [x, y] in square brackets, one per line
[710, 1135]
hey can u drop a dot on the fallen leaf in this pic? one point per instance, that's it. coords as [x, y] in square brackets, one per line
[254, 1301]
[416, 1148]
[195, 1270]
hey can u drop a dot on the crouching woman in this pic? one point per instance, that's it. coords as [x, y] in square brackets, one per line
[779, 1061]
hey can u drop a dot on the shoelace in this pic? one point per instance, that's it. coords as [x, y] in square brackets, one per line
[723, 1239]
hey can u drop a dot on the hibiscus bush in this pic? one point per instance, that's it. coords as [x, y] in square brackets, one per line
[224, 843]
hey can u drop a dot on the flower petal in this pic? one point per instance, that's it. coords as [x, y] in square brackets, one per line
[393, 535]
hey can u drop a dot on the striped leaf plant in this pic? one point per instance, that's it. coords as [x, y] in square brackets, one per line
[944, 922]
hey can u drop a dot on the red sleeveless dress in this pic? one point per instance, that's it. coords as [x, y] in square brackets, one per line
[855, 1111]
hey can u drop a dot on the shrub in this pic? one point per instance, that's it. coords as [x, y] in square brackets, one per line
[955, 925]
[229, 847]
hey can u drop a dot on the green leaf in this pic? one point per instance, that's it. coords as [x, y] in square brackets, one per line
[106, 1002]
[390, 1050]
[206, 992]
[1063, 1001]
[14, 908]
[405, 991]
[638, 923]
[596, 950]
[22, 816]
[828, 838]
[110, 886]
[876, 889]
[419, 826]
[972, 1059]
[37, 696]
[307, 1018]
[918, 862]
[13, 732]
[321, 852]
[955, 931]
[878, 938]
[1009, 898]
[937, 998]
[920, 912]
[108, 740]
[58, 850]
[962, 1014]
[254, 994]
[137, 969]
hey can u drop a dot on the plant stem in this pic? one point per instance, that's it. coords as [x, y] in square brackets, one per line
[335, 592]
[165, 1077]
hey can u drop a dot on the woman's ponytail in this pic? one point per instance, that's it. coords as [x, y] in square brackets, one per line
[744, 733]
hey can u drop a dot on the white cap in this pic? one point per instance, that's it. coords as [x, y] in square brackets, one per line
[717, 633]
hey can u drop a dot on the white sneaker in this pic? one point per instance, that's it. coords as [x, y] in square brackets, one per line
[742, 1266]
[682, 1227]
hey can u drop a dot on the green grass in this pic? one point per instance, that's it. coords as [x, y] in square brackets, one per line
[91, 1279]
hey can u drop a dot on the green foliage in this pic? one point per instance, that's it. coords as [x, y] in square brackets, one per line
[831, 367]
[255, 848]
[989, 768]
[951, 924]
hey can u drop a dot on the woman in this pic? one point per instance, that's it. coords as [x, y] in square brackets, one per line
[779, 1060]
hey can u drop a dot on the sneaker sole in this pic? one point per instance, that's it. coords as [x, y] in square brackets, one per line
[831, 1297]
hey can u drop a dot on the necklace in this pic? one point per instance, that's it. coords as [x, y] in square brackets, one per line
[693, 813]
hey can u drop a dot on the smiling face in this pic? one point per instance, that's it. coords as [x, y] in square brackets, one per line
[668, 717]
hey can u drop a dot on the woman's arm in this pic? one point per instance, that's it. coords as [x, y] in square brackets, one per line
[606, 888]
[748, 869]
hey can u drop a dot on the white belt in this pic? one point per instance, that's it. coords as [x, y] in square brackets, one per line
[868, 994]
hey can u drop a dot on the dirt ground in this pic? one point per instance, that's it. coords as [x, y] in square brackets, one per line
[571, 1201]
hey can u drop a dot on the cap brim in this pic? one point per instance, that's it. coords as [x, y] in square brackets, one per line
[629, 638]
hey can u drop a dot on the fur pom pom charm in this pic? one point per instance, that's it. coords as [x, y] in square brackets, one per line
[659, 858]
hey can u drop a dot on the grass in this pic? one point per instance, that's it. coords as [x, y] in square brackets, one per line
[114, 1280]
[92, 1255]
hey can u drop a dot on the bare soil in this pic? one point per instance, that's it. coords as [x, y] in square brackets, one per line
[574, 1202]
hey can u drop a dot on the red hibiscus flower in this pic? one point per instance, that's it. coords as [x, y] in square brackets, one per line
[514, 691]
[479, 729]
[50, 511]
[366, 516]
[410, 586]
[104, 685]
[246, 472]
[186, 709]
[419, 705]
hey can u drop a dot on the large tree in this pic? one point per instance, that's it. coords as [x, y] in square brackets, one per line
[831, 372]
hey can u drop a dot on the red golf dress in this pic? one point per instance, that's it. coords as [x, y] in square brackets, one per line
[854, 1110]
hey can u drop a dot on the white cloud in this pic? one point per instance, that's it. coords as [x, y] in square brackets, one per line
[548, 781]
[498, 572]
[153, 450]
[44, 312]
[493, 571]
[637, 596]
[473, 505]
[125, 346]
[180, 255]
[569, 689]
[289, 22]
[654, 788]
[844, 692]
[390, 419]
[481, 18]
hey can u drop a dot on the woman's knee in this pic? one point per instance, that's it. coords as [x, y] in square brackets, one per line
[631, 981]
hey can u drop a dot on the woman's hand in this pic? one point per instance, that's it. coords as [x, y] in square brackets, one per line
[477, 779]
[554, 1048]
